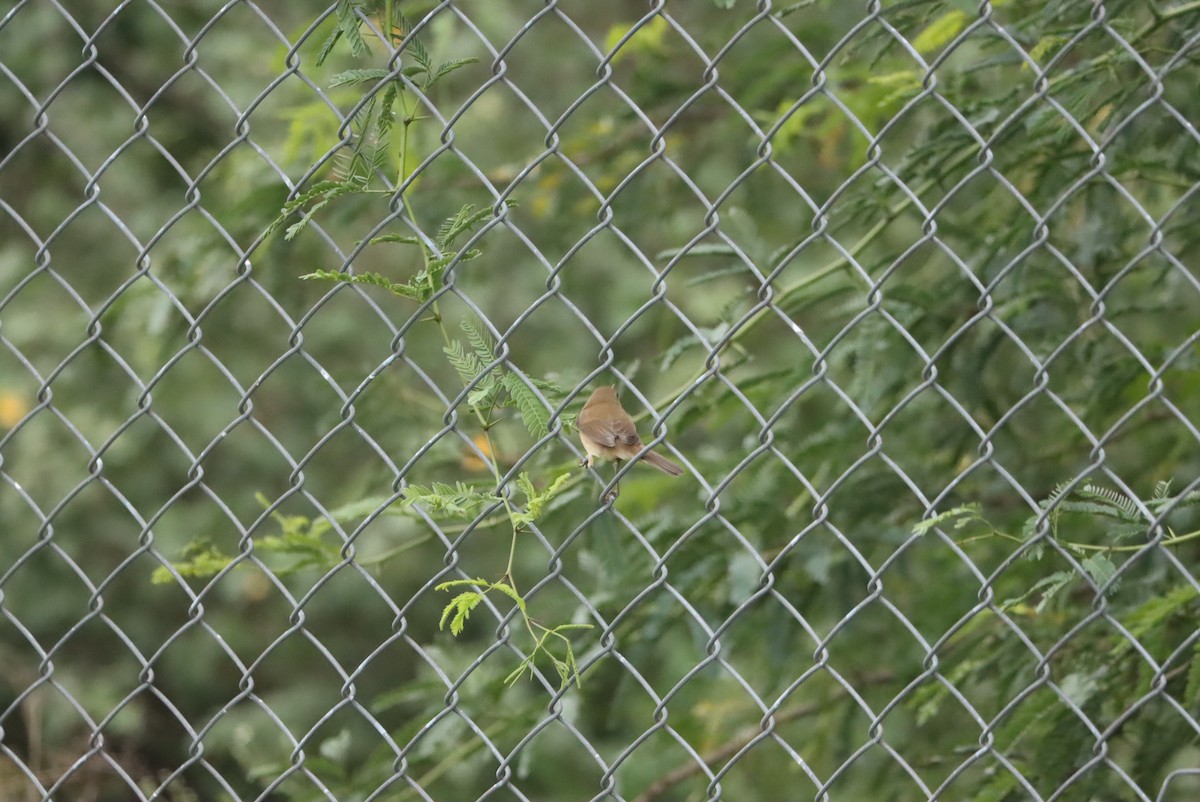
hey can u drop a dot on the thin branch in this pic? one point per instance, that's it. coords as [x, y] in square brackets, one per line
[727, 750]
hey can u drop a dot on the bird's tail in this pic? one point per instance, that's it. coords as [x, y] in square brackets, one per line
[662, 463]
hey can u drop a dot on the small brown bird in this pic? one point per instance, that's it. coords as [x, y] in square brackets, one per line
[607, 431]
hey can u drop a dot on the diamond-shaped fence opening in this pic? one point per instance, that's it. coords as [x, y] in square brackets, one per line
[302, 308]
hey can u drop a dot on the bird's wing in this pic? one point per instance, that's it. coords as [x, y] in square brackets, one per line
[609, 432]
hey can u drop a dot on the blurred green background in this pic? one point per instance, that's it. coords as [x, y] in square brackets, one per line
[876, 266]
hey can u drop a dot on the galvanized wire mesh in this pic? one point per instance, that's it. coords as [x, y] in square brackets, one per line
[168, 384]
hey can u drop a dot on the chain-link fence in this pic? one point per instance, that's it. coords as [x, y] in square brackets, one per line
[300, 305]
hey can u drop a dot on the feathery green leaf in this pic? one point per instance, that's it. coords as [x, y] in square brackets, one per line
[534, 414]
[360, 76]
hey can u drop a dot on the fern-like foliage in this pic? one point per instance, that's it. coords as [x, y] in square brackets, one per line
[445, 500]
[499, 387]
[373, 154]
